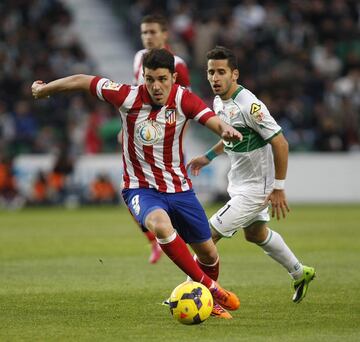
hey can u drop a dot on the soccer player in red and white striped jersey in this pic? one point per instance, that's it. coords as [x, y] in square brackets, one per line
[156, 187]
[154, 35]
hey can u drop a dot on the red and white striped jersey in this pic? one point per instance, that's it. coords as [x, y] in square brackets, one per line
[181, 68]
[152, 134]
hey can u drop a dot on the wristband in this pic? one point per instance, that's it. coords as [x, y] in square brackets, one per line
[279, 184]
[210, 155]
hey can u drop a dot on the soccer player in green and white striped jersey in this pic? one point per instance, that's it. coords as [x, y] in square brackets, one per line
[258, 169]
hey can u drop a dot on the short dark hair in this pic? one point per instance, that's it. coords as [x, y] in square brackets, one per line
[159, 58]
[221, 52]
[155, 18]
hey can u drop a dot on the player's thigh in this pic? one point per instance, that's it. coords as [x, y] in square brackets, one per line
[189, 218]
[239, 212]
[141, 202]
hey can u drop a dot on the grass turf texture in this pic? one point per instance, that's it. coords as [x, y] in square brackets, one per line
[83, 275]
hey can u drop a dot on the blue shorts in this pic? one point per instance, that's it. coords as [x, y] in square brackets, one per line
[185, 211]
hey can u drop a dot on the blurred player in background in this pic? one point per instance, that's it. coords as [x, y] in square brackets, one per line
[156, 187]
[154, 35]
[258, 169]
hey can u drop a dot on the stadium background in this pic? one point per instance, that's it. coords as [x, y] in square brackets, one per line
[302, 58]
[83, 274]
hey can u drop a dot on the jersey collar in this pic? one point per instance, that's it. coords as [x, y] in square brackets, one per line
[237, 91]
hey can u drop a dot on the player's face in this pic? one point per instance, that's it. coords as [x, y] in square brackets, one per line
[222, 79]
[152, 36]
[158, 83]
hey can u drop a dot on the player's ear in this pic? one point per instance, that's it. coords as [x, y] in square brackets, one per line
[174, 75]
[235, 74]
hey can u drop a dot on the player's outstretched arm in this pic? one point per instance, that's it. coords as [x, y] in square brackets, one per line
[277, 197]
[197, 163]
[81, 82]
[222, 129]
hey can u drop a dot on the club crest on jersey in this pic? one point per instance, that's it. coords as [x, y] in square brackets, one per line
[149, 132]
[256, 113]
[111, 85]
[170, 116]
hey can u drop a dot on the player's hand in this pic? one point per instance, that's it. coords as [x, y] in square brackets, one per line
[279, 206]
[196, 164]
[36, 90]
[231, 134]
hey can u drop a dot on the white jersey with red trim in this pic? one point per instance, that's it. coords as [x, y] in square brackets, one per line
[152, 134]
[181, 68]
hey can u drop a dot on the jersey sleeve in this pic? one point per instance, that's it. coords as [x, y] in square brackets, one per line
[194, 108]
[258, 117]
[137, 66]
[183, 77]
[109, 91]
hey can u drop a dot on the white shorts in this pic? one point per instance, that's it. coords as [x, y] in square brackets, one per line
[240, 212]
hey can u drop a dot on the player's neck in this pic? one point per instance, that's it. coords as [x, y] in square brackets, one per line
[233, 89]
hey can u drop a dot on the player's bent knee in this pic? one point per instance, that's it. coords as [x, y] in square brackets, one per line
[208, 259]
[256, 233]
[206, 252]
[159, 223]
[254, 237]
[250, 238]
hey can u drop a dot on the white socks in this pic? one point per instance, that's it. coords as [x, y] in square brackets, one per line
[276, 248]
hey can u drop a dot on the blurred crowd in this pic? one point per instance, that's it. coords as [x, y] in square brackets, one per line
[38, 41]
[302, 58]
[56, 186]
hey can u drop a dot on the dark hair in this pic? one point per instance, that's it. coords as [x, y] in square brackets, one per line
[221, 52]
[155, 18]
[159, 58]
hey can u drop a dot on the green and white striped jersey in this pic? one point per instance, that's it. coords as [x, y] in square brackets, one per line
[252, 166]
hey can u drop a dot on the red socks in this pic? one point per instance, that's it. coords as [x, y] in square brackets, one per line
[178, 252]
[150, 235]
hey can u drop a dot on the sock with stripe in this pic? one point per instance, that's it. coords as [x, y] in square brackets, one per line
[175, 248]
[211, 270]
[275, 247]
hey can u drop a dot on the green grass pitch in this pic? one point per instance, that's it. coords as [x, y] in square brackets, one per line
[83, 275]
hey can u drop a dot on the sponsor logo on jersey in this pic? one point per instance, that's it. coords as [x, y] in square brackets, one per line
[256, 113]
[149, 132]
[170, 116]
[254, 108]
[111, 85]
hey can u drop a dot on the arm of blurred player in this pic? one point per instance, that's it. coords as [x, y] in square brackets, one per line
[81, 82]
[277, 197]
